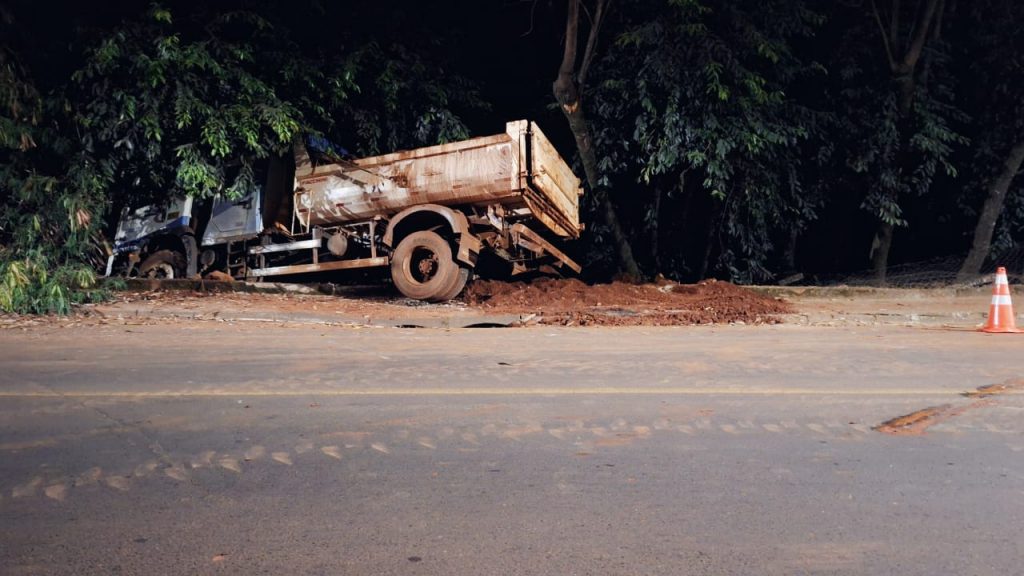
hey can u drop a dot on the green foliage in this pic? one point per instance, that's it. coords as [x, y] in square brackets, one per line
[189, 103]
[176, 99]
[46, 222]
[404, 101]
[34, 284]
[700, 90]
[896, 154]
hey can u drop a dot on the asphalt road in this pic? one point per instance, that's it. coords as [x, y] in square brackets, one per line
[221, 448]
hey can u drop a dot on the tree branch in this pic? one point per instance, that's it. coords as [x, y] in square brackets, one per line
[914, 51]
[894, 25]
[572, 24]
[885, 37]
[533, 8]
[937, 28]
[588, 54]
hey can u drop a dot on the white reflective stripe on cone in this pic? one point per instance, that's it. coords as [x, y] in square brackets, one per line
[1001, 300]
[1001, 279]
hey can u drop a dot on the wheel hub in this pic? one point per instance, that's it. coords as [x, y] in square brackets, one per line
[426, 267]
[161, 271]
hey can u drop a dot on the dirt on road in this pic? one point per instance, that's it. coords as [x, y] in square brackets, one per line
[569, 301]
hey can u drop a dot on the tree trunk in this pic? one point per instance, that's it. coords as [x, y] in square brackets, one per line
[903, 64]
[882, 244]
[680, 233]
[709, 241]
[880, 252]
[789, 254]
[655, 234]
[567, 93]
[990, 212]
[584, 144]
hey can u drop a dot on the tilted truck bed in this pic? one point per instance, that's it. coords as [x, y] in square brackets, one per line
[519, 170]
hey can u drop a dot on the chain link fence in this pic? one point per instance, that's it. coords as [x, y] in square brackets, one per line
[934, 273]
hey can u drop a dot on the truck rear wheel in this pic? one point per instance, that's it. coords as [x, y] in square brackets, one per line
[422, 268]
[460, 282]
[163, 265]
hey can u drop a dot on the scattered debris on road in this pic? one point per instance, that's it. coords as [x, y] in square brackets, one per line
[996, 389]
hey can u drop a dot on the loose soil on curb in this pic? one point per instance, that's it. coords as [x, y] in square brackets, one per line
[571, 302]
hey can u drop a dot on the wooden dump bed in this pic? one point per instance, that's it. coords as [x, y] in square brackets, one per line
[520, 170]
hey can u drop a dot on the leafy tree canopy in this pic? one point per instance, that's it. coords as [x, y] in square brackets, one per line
[694, 96]
[175, 99]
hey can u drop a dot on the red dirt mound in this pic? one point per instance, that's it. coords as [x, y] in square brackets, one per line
[621, 304]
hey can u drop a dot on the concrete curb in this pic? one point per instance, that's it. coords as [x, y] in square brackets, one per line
[854, 291]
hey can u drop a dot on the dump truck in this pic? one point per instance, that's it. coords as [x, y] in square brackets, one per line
[429, 214]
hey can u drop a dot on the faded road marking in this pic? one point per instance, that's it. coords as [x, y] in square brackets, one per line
[145, 469]
[230, 464]
[89, 477]
[282, 457]
[332, 451]
[56, 491]
[177, 472]
[117, 483]
[27, 489]
[205, 459]
[518, 432]
[44, 443]
[601, 391]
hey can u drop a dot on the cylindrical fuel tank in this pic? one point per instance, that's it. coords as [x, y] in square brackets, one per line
[478, 171]
[330, 199]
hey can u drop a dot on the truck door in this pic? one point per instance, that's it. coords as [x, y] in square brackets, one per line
[232, 220]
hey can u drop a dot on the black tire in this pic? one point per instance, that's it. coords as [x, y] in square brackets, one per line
[460, 282]
[422, 267]
[163, 265]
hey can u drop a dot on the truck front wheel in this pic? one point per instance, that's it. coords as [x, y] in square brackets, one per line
[422, 268]
[163, 265]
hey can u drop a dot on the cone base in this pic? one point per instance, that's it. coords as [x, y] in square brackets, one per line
[1000, 330]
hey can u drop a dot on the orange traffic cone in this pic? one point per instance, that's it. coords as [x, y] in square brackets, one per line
[1000, 313]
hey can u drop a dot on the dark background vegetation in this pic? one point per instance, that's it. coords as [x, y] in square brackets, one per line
[746, 140]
